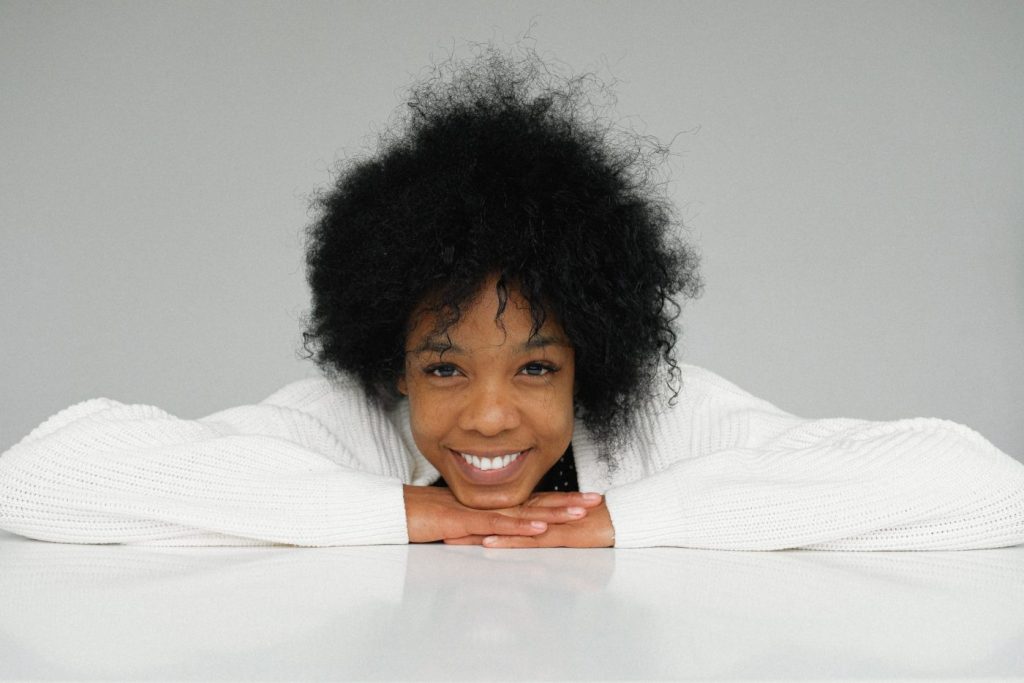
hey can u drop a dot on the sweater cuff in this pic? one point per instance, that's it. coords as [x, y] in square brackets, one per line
[648, 512]
[372, 514]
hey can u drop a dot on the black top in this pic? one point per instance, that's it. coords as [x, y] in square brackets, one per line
[561, 476]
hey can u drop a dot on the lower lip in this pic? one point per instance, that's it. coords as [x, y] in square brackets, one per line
[478, 476]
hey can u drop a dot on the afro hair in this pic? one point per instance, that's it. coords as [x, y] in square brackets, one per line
[496, 165]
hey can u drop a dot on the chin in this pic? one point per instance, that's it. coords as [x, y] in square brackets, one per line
[483, 499]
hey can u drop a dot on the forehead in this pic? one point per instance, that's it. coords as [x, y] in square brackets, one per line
[486, 320]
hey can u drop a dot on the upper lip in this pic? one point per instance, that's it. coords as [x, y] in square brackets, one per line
[490, 452]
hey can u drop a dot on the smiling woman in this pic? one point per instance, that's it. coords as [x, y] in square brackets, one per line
[494, 298]
[491, 405]
[491, 408]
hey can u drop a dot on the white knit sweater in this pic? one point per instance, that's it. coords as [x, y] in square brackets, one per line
[315, 464]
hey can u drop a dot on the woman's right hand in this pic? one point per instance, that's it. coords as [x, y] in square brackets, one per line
[434, 514]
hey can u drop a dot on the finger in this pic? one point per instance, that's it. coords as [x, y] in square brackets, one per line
[466, 540]
[500, 524]
[551, 515]
[563, 499]
[591, 533]
[512, 542]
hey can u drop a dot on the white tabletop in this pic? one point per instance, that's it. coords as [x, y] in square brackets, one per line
[73, 612]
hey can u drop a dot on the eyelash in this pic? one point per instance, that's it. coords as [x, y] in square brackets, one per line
[547, 368]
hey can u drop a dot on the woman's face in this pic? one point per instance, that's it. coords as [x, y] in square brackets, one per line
[494, 411]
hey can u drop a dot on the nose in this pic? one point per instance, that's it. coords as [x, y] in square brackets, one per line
[489, 410]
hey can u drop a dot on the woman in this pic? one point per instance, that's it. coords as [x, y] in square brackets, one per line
[493, 314]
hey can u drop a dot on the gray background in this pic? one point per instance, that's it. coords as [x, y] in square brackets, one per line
[851, 172]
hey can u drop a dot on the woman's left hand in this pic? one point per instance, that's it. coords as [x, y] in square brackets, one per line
[593, 531]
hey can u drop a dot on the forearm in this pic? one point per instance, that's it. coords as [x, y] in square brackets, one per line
[912, 484]
[148, 477]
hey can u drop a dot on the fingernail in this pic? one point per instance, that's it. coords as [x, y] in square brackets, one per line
[536, 525]
[592, 497]
[490, 540]
[576, 512]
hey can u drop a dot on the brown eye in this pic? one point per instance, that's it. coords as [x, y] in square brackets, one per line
[538, 369]
[442, 370]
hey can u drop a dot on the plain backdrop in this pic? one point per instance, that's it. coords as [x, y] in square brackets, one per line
[851, 173]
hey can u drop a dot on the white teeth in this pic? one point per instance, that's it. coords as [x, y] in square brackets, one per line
[485, 464]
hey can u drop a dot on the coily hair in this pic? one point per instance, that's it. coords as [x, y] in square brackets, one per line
[498, 166]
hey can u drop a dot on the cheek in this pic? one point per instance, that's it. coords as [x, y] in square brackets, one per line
[554, 418]
[424, 417]
[429, 422]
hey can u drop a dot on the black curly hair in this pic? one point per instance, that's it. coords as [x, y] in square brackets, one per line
[498, 166]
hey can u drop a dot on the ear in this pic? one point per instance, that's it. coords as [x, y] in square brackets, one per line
[403, 388]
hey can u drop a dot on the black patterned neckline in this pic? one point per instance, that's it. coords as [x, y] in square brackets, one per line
[561, 476]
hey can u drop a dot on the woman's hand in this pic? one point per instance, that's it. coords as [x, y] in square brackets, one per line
[592, 531]
[434, 514]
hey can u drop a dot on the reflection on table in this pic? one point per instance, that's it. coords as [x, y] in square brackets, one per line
[438, 612]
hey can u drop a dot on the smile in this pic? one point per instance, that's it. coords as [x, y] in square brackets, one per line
[493, 468]
[485, 463]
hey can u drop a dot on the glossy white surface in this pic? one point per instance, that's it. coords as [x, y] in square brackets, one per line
[435, 612]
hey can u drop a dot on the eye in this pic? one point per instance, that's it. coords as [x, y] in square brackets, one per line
[538, 369]
[442, 370]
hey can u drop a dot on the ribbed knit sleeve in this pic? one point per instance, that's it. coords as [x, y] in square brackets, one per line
[106, 472]
[738, 474]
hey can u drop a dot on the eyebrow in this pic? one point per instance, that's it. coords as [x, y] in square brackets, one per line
[437, 344]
